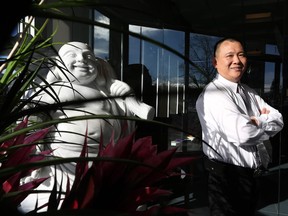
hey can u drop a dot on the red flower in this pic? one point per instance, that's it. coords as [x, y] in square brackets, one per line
[15, 152]
[124, 177]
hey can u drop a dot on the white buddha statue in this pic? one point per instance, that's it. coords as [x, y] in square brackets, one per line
[82, 76]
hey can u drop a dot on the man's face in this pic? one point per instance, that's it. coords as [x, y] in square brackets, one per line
[230, 60]
[80, 62]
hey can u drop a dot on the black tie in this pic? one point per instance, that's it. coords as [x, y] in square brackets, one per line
[242, 93]
[262, 151]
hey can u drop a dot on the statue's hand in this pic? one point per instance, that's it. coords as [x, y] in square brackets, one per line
[138, 108]
[119, 88]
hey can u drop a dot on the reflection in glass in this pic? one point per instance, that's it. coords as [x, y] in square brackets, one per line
[165, 68]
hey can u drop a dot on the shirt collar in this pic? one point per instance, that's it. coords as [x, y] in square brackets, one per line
[225, 82]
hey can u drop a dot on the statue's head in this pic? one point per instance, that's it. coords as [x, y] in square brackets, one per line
[78, 64]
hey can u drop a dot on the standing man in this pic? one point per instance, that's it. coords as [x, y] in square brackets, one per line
[235, 123]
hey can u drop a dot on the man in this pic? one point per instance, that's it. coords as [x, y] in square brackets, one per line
[234, 127]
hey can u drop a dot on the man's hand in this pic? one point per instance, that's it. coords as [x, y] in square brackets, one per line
[254, 119]
[265, 111]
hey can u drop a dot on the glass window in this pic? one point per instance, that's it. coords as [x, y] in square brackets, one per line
[101, 36]
[273, 76]
[269, 76]
[165, 68]
[201, 54]
[271, 49]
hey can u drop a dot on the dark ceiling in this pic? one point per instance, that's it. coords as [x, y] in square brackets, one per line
[212, 17]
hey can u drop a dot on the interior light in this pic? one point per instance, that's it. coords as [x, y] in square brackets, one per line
[258, 15]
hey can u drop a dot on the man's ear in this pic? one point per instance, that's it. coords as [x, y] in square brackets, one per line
[214, 62]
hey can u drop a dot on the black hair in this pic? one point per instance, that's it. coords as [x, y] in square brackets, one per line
[219, 42]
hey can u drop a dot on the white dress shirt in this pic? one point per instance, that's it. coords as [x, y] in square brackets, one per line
[227, 131]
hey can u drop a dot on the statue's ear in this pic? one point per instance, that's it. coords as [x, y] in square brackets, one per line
[56, 69]
[105, 72]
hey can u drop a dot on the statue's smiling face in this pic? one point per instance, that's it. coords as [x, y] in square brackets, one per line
[80, 62]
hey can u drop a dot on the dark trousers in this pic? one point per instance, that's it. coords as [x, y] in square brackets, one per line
[232, 190]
